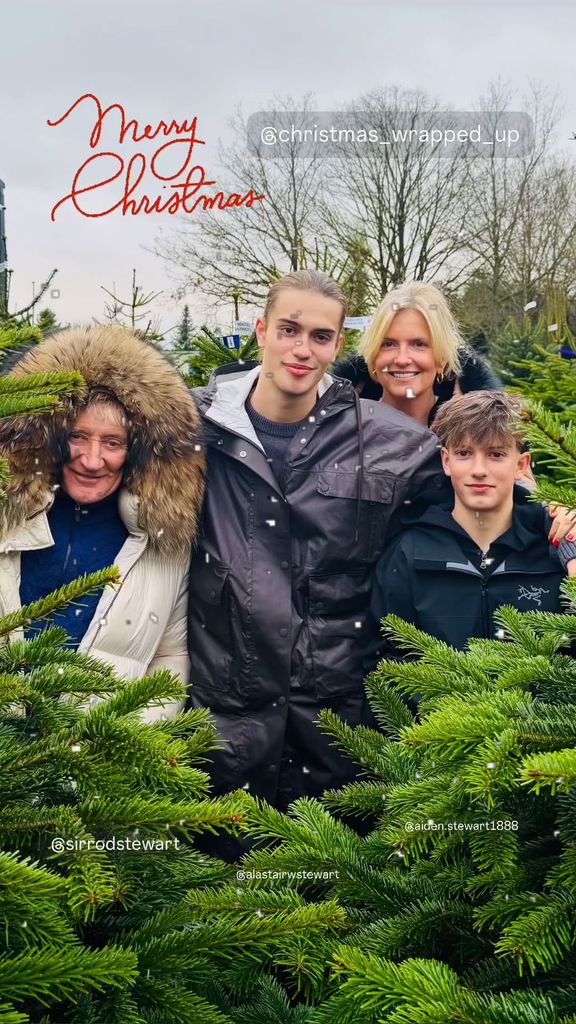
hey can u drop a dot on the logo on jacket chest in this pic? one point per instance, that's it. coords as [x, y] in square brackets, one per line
[532, 594]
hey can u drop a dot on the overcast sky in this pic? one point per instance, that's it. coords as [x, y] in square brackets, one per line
[203, 59]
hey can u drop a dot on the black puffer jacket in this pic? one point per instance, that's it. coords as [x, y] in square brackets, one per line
[476, 375]
[435, 576]
[280, 583]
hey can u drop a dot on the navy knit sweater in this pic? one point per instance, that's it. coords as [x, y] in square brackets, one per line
[86, 538]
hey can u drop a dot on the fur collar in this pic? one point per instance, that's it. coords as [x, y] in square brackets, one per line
[168, 480]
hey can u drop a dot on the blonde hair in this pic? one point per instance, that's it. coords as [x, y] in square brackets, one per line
[306, 281]
[430, 302]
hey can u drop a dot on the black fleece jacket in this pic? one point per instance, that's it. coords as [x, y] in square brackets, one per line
[435, 576]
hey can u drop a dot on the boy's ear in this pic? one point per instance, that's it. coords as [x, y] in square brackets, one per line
[523, 464]
[260, 329]
[445, 461]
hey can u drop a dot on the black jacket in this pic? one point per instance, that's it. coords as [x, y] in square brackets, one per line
[476, 375]
[435, 576]
[280, 583]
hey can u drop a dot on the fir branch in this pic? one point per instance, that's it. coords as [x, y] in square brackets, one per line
[555, 493]
[38, 393]
[60, 598]
[361, 799]
[176, 1002]
[543, 935]
[249, 939]
[556, 770]
[8, 1015]
[64, 972]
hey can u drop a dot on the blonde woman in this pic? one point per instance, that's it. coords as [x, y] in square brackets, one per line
[413, 356]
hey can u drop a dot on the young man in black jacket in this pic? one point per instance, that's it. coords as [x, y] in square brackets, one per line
[304, 480]
[451, 570]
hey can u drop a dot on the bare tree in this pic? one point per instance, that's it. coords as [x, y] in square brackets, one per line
[237, 253]
[405, 197]
[382, 214]
[523, 214]
[132, 311]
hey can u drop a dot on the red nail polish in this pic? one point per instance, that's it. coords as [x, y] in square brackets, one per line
[570, 536]
[555, 543]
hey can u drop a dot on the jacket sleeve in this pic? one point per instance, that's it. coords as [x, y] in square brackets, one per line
[391, 595]
[172, 651]
[427, 485]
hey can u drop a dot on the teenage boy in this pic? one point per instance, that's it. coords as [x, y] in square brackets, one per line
[303, 478]
[450, 570]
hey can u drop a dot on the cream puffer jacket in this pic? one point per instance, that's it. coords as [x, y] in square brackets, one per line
[140, 626]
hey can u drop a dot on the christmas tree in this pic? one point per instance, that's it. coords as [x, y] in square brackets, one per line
[526, 352]
[458, 904]
[210, 352]
[184, 332]
[519, 344]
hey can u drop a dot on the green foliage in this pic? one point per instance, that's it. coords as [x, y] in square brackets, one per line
[14, 335]
[519, 347]
[183, 341]
[38, 392]
[469, 859]
[97, 821]
[209, 352]
[553, 442]
[47, 322]
[550, 380]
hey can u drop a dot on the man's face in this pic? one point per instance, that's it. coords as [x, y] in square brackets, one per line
[483, 476]
[299, 340]
[98, 444]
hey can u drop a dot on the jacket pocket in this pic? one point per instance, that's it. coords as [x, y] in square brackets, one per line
[377, 504]
[338, 630]
[343, 483]
[210, 633]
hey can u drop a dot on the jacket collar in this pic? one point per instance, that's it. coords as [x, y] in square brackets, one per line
[228, 406]
[35, 533]
[526, 526]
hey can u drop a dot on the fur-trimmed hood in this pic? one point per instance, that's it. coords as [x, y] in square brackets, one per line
[167, 477]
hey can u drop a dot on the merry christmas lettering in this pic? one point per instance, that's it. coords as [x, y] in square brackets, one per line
[186, 179]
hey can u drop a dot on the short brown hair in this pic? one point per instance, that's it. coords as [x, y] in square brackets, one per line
[481, 417]
[307, 281]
